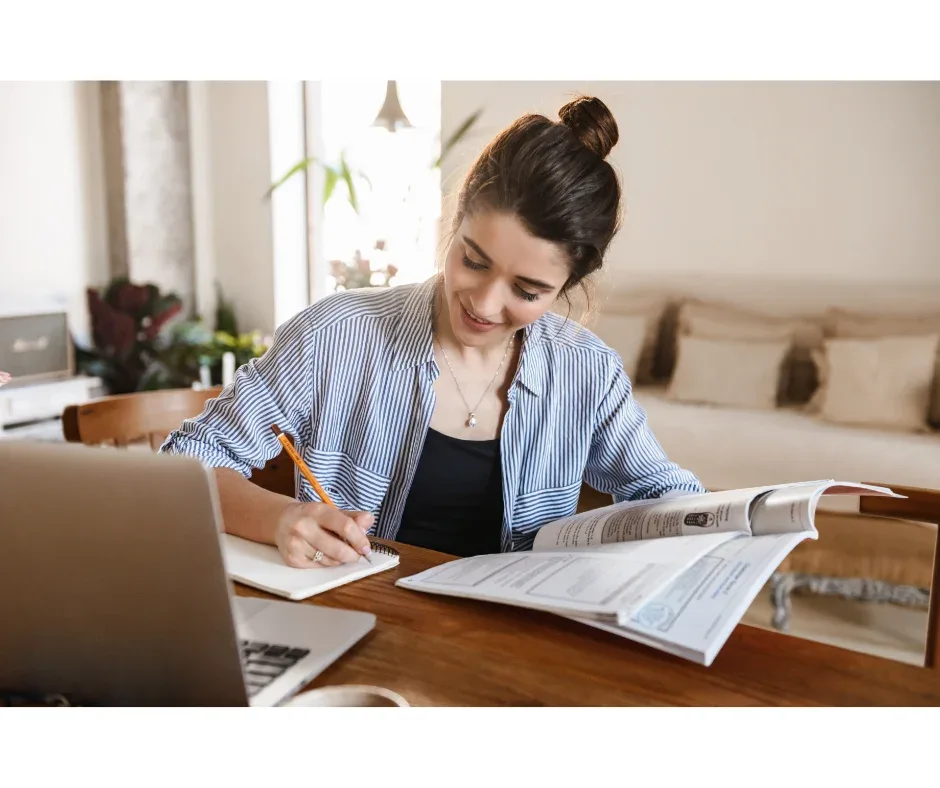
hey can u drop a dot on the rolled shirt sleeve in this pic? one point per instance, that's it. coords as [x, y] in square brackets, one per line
[234, 429]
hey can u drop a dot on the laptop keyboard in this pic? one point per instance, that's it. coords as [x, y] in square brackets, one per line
[264, 662]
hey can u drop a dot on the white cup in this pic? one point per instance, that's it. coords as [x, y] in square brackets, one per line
[348, 695]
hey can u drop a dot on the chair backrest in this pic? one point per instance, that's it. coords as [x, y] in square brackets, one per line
[592, 499]
[924, 506]
[146, 418]
[123, 420]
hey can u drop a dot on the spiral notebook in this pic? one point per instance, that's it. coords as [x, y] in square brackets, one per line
[261, 566]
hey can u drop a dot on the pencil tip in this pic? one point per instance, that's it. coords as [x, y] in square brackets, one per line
[275, 429]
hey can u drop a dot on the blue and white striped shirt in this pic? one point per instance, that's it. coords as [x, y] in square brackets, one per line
[351, 376]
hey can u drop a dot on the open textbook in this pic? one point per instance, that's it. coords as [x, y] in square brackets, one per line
[673, 573]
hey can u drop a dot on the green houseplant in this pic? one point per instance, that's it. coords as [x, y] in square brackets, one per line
[340, 171]
[127, 320]
[139, 346]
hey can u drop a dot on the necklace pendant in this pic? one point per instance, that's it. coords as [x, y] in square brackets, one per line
[472, 421]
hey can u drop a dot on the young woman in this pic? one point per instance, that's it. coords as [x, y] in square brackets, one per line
[459, 414]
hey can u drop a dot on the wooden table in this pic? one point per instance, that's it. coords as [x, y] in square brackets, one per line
[441, 651]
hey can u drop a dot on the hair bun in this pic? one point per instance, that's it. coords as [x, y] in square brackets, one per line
[592, 123]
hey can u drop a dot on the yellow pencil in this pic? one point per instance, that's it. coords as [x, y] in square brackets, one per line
[299, 462]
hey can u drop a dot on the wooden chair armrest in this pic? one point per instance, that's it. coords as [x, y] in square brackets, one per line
[924, 505]
[919, 504]
[70, 429]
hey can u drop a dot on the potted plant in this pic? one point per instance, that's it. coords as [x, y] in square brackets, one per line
[126, 322]
[192, 347]
[138, 347]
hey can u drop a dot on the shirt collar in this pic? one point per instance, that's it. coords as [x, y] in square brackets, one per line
[413, 344]
[414, 338]
[532, 360]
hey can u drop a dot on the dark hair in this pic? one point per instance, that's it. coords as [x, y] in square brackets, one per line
[554, 178]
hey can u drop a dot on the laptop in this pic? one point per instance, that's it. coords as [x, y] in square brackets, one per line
[115, 591]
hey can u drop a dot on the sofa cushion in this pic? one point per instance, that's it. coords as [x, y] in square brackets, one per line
[627, 334]
[647, 306]
[728, 372]
[725, 322]
[883, 382]
[729, 447]
[849, 325]
[717, 321]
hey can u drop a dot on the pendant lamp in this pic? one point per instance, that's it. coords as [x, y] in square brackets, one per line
[391, 116]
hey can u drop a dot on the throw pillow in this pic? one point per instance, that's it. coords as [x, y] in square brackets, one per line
[883, 382]
[848, 325]
[729, 372]
[799, 378]
[625, 334]
[650, 307]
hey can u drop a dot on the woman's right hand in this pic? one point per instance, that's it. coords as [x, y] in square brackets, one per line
[305, 528]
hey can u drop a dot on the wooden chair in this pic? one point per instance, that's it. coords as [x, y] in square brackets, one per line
[887, 553]
[924, 506]
[592, 499]
[145, 419]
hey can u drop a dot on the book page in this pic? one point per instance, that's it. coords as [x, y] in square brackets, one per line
[788, 510]
[688, 515]
[696, 613]
[608, 585]
[261, 566]
[791, 508]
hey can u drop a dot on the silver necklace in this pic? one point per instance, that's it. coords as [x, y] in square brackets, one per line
[471, 418]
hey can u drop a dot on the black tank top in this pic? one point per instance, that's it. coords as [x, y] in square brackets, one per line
[455, 504]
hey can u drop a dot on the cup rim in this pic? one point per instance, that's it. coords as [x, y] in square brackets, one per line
[339, 689]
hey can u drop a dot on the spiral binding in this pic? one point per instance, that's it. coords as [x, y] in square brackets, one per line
[383, 549]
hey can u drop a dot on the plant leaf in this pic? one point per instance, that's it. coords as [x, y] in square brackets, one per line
[329, 183]
[298, 167]
[458, 135]
[347, 176]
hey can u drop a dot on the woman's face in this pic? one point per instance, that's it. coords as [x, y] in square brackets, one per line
[498, 278]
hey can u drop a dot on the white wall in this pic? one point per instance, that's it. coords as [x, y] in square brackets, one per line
[53, 222]
[231, 166]
[53, 227]
[289, 202]
[809, 193]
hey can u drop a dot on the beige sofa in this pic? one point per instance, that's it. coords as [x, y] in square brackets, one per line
[739, 447]
[762, 382]
[776, 388]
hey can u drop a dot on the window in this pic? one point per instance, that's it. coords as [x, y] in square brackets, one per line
[397, 187]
